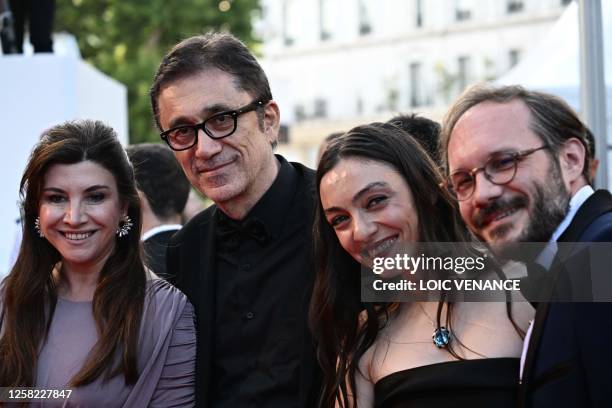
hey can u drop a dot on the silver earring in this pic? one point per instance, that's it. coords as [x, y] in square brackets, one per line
[37, 227]
[125, 226]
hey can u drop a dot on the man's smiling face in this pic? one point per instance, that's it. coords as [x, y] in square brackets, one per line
[528, 208]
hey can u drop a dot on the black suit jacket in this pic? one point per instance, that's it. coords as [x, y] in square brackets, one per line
[155, 248]
[192, 263]
[569, 358]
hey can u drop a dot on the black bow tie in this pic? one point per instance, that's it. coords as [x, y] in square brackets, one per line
[231, 233]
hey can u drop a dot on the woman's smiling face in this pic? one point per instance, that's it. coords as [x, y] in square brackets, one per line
[370, 207]
[80, 211]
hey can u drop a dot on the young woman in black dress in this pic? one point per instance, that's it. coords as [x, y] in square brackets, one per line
[379, 189]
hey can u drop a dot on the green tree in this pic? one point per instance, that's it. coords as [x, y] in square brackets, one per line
[126, 39]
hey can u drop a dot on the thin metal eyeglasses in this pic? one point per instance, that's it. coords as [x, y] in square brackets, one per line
[218, 126]
[499, 169]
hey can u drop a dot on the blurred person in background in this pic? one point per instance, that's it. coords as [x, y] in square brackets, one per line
[424, 130]
[38, 16]
[78, 309]
[163, 190]
[326, 142]
[195, 205]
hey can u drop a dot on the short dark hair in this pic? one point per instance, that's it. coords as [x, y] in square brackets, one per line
[424, 130]
[211, 51]
[160, 178]
[552, 119]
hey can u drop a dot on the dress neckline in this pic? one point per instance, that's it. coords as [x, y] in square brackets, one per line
[76, 302]
[425, 369]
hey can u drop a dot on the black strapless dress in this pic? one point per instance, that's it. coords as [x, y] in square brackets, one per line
[481, 383]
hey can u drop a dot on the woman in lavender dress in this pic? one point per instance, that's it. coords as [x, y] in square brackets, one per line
[79, 310]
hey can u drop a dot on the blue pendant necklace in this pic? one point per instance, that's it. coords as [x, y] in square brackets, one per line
[441, 336]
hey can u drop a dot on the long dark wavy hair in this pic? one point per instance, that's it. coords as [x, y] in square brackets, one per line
[343, 336]
[29, 291]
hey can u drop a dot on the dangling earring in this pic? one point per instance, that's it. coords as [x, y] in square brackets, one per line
[37, 227]
[125, 227]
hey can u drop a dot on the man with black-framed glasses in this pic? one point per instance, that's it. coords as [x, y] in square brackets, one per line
[244, 262]
[518, 163]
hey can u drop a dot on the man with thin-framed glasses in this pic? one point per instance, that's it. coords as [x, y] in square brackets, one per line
[244, 262]
[518, 163]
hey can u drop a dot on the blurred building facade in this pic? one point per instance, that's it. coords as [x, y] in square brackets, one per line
[333, 64]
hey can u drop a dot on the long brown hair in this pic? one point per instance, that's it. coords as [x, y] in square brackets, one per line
[29, 291]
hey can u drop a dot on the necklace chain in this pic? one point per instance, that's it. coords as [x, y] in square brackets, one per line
[433, 323]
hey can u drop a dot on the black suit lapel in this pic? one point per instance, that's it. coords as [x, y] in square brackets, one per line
[310, 383]
[207, 313]
[539, 321]
[597, 204]
[532, 347]
[594, 207]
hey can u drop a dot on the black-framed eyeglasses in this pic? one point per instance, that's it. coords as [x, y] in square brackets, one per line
[218, 126]
[499, 169]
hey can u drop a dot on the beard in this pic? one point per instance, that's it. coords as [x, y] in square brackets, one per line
[550, 205]
[549, 209]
